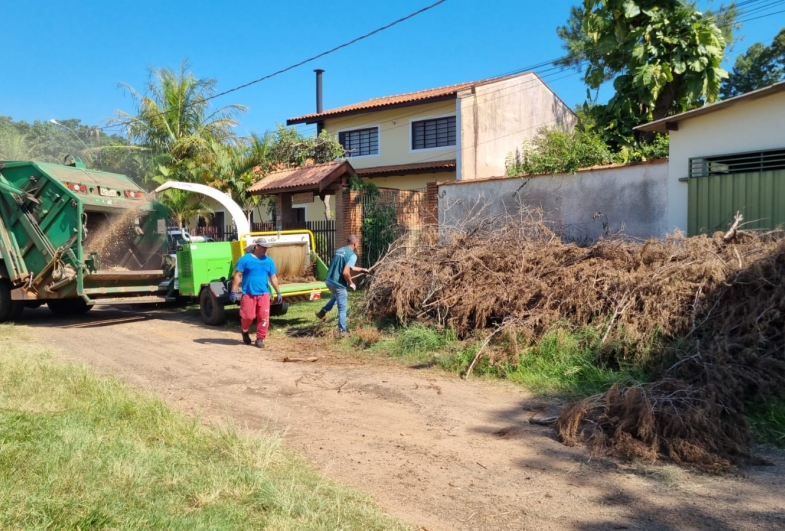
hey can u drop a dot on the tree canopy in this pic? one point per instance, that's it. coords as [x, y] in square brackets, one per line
[48, 142]
[758, 67]
[663, 57]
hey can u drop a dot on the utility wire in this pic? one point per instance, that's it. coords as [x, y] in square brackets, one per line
[398, 21]
[553, 70]
[310, 59]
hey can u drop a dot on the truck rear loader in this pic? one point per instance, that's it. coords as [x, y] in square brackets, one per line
[72, 237]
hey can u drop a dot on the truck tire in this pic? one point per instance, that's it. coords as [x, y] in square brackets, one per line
[279, 309]
[66, 306]
[5, 300]
[17, 307]
[210, 307]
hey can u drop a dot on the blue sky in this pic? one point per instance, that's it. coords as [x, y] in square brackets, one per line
[65, 59]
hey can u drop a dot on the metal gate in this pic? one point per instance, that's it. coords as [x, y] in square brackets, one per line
[715, 199]
[387, 215]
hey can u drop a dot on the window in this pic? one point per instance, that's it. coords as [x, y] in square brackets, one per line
[756, 161]
[433, 133]
[360, 142]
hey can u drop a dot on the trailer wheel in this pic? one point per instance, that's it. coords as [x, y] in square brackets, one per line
[279, 309]
[211, 309]
[66, 306]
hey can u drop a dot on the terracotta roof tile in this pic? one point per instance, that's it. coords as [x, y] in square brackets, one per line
[316, 177]
[402, 169]
[388, 101]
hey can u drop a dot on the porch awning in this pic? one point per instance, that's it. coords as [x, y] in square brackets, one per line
[318, 178]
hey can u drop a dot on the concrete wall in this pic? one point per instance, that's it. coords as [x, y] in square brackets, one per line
[631, 199]
[495, 119]
[754, 125]
[395, 133]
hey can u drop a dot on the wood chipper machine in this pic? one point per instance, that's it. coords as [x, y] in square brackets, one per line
[204, 271]
[72, 237]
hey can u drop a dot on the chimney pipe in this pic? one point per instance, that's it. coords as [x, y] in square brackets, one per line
[319, 73]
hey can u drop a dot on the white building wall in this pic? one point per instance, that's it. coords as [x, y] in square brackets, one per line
[753, 125]
[630, 199]
[496, 119]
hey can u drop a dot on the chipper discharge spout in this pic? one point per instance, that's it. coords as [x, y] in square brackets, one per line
[71, 237]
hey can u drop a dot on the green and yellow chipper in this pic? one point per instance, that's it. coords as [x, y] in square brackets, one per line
[204, 271]
[73, 237]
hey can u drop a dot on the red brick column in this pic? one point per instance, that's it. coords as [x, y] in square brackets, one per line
[431, 216]
[348, 217]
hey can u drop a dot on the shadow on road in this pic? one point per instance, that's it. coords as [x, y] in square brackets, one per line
[217, 341]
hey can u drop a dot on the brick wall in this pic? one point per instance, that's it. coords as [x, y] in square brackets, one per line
[348, 216]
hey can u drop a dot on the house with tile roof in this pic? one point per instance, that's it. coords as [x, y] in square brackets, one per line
[458, 132]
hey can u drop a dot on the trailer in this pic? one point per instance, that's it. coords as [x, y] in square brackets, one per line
[205, 271]
[72, 237]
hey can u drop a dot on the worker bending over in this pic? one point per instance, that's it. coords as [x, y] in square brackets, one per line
[339, 279]
[255, 271]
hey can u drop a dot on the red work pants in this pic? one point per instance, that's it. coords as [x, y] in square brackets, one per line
[255, 307]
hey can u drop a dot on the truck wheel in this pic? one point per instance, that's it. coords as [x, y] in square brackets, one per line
[211, 309]
[17, 307]
[66, 306]
[5, 300]
[279, 309]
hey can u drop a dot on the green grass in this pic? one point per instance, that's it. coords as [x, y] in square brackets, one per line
[563, 362]
[768, 422]
[82, 452]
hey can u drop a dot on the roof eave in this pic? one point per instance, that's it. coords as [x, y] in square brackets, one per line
[671, 123]
[315, 118]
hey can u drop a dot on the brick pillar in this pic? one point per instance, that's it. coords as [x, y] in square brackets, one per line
[431, 204]
[348, 217]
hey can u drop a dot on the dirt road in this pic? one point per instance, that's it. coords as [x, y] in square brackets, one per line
[425, 445]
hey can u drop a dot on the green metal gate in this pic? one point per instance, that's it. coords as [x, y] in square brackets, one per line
[715, 199]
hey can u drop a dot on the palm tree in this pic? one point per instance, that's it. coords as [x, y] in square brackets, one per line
[173, 115]
[15, 146]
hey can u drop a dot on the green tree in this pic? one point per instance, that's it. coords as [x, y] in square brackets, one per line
[555, 150]
[758, 67]
[173, 118]
[663, 57]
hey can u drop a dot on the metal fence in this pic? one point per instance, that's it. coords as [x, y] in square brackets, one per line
[323, 232]
[389, 215]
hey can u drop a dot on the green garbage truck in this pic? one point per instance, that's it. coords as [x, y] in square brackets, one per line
[72, 237]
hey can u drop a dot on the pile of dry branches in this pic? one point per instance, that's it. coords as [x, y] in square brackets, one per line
[715, 303]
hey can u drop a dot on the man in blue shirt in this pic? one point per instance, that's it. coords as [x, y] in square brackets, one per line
[339, 278]
[255, 271]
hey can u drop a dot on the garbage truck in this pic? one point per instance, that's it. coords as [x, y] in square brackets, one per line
[73, 238]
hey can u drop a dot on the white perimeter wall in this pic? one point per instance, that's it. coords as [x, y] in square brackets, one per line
[631, 199]
[753, 125]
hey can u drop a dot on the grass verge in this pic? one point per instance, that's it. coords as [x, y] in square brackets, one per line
[82, 452]
[768, 422]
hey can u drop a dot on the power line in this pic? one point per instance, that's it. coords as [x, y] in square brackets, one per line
[561, 68]
[310, 59]
[407, 17]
